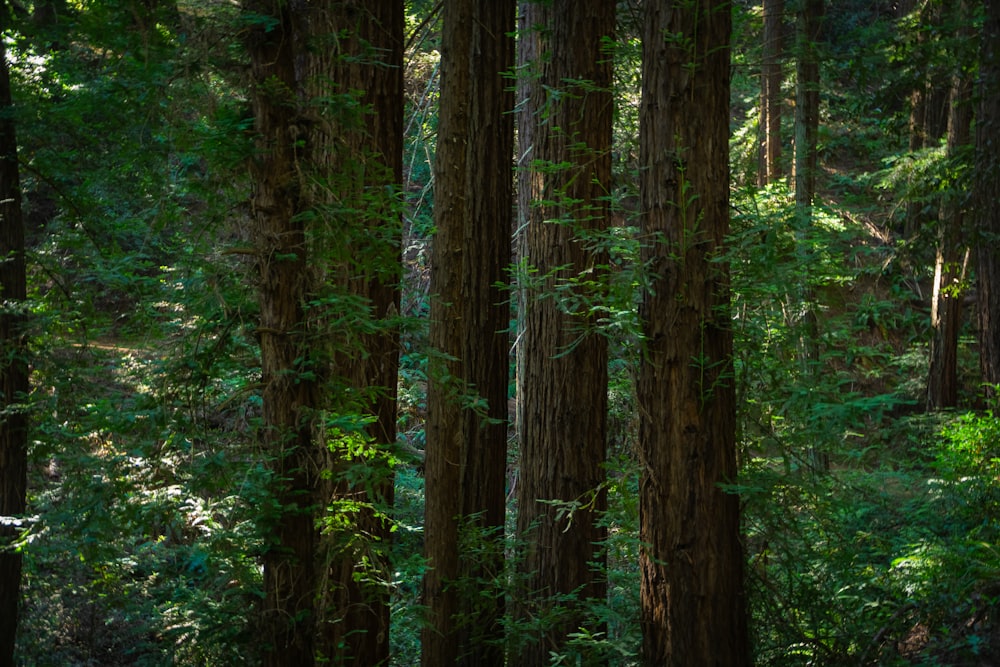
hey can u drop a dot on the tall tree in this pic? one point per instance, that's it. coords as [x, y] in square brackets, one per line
[986, 193]
[356, 150]
[770, 95]
[808, 25]
[929, 98]
[929, 113]
[952, 252]
[807, 88]
[465, 466]
[326, 248]
[565, 138]
[13, 364]
[693, 606]
[290, 395]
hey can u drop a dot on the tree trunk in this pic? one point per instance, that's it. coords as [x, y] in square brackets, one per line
[928, 103]
[809, 17]
[327, 229]
[289, 396]
[354, 171]
[466, 455]
[46, 13]
[770, 98]
[952, 254]
[13, 369]
[807, 87]
[562, 386]
[986, 194]
[693, 605]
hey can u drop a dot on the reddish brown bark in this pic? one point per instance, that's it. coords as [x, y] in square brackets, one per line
[465, 466]
[986, 194]
[952, 255]
[289, 400]
[770, 97]
[693, 606]
[807, 88]
[355, 150]
[327, 248]
[565, 135]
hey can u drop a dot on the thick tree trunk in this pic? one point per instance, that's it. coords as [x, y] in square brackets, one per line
[354, 154]
[13, 370]
[693, 606]
[986, 195]
[567, 114]
[289, 397]
[770, 97]
[326, 225]
[465, 466]
[950, 267]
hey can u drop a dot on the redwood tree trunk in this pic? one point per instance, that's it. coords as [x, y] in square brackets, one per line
[465, 466]
[928, 102]
[355, 152]
[289, 396]
[770, 98]
[693, 606]
[952, 254]
[807, 87]
[562, 386]
[13, 368]
[326, 227]
[986, 195]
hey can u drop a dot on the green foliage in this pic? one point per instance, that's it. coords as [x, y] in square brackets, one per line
[407, 614]
[891, 566]
[145, 486]
[609, 629]
[968, 460]
[797, 397]
[149, 494]
[155, 528]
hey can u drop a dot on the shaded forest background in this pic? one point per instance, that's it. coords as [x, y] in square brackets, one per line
[869, 490]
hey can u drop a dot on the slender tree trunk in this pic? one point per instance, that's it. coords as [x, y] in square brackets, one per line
[770, 98]
[986, 194]
[928, 103]
[920, 125]
[809, 17]
[46, 14]
[567, 115]
[693, 606]
[13, 368]
[952, 253]
[807, 88]
[465, 466]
